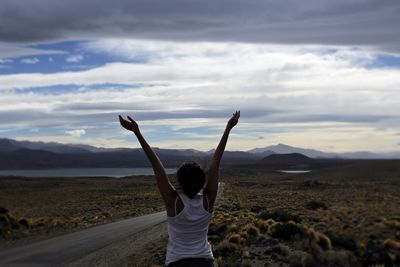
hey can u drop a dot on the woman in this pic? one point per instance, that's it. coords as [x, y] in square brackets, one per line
[189, 212]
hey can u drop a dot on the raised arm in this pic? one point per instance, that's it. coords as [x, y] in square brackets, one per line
[166, 189]
[211, 188]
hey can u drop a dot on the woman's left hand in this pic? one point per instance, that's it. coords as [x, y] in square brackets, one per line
[234, 119]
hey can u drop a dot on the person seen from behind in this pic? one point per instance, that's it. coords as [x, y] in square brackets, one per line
[188, 212]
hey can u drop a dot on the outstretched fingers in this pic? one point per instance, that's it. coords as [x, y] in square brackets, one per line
[236, 114]
[129, 118]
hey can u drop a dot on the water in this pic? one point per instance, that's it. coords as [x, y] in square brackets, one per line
[295, 171]
[84, 172]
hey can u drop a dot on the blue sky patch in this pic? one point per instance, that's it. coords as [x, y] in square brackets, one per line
[73, 57]
[385, 61]
[70, 88]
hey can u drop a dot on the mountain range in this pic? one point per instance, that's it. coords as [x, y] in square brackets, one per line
[37, 155]
[7, 145]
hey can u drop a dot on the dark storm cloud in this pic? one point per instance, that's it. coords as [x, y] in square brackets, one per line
[343, 22]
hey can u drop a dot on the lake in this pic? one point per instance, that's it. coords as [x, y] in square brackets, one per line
[83, 172]
[294, 171]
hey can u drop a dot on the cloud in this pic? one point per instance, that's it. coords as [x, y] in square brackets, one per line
[285, 93]
[5, 61]
[210, 63]
[281, 83]
[343, 22]
[76, 133]
[13, 50]
[74, 58]
[33, 60]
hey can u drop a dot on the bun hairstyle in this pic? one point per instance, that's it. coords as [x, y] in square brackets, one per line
[191, 177]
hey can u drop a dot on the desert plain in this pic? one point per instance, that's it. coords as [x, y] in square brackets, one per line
[338, 216]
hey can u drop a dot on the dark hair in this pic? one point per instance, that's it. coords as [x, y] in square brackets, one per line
[191, 177]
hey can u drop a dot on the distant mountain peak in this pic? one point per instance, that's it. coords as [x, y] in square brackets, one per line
[285, 149]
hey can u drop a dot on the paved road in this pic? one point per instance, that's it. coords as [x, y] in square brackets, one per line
[69, 247]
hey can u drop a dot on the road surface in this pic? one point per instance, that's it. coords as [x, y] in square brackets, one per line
[69, 247]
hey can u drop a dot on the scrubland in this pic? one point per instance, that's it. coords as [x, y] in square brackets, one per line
[35, 208]
[345, 216]
[348, 216]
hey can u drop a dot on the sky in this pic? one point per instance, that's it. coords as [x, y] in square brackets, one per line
[313, 74]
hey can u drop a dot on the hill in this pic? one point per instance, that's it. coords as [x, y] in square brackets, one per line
[41, 155]
[291, 158]
[287, 161]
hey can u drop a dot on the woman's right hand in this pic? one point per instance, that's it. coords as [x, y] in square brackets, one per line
[129, 124]
[234, 119]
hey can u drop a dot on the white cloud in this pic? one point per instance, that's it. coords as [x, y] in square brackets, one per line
[76, 133]
[32, 60]
[285, 94]
[5, 60]
[74, 58]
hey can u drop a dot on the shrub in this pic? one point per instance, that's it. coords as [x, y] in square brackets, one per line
[251, 230]
[244, 234]
[283, 250]
[226, 248]
[234, 238]
[246, 264]
[233, 228]
[3, 210]
[337, 258]
[279, 216]
[218, 261]
[256, 209]
[391, 244]
[323, 241]
[24, 223]
[299, 258]
[315, 205]
[393, 223]
[214, 238]
[286, 231]
[343, 242]
[217, 228]
[270, 222]
[263, 225]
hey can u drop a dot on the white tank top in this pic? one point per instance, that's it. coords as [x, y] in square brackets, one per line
[188, 230]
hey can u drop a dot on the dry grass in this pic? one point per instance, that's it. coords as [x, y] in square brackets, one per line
[343, 217]
[57, 205]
